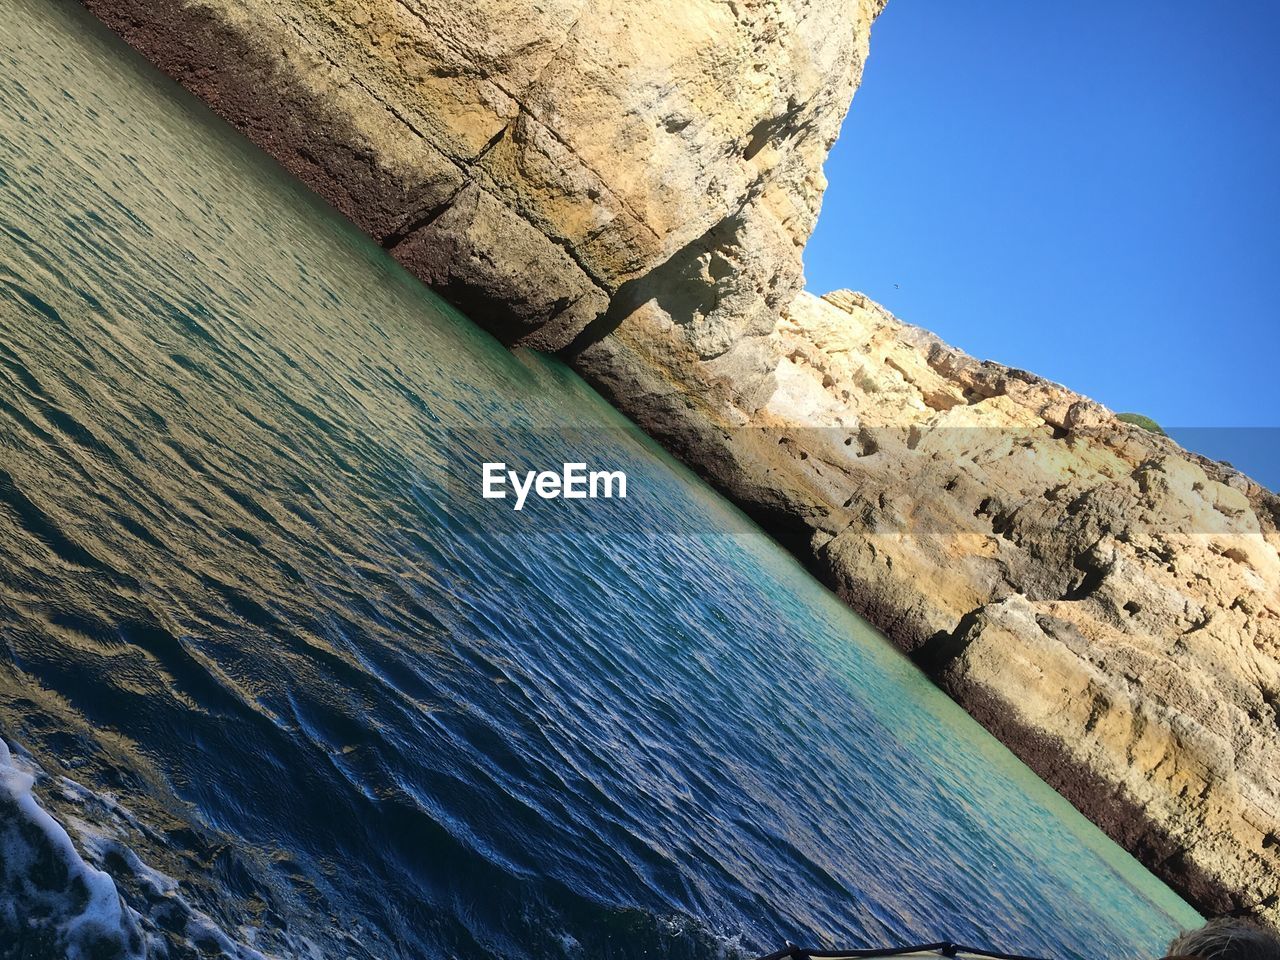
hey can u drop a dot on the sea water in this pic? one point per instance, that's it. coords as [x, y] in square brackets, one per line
[276, 680]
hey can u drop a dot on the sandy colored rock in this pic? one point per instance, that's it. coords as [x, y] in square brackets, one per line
[1106, 602]
[535, 160]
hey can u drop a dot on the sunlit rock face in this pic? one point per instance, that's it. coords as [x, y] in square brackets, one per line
[1104, 601]
[542, 162]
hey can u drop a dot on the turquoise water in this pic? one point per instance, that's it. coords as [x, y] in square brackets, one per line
[278, 674]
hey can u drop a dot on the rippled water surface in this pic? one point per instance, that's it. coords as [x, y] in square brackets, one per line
[265, 670]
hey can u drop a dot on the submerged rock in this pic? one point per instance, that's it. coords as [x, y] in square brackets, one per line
[633, 184]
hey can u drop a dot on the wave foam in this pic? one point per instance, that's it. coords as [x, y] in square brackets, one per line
[53, 903]
[57, 900]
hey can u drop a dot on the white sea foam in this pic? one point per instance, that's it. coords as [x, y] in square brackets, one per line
[725, 946]
[55, 893]
[49, 896]
[195, 928]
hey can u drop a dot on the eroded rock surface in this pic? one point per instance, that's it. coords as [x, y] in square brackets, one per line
[1104, 601]
[632, 183]
[533, 160]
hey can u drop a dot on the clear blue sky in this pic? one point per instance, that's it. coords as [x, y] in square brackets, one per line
[1087, 190]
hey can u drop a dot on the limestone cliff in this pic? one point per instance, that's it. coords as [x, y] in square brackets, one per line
[1105, 602]
[538, 162]
[632, 183]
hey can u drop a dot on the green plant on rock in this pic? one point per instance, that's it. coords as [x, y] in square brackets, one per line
[1143, 421]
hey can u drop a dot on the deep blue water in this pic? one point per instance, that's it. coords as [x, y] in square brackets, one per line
[290, 686]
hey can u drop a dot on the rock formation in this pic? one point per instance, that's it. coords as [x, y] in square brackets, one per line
[1105, 602]
[533, 161]
[632, 184]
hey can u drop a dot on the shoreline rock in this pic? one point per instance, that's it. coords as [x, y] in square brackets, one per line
[633, 186]
[1104, 602]
[538, 162]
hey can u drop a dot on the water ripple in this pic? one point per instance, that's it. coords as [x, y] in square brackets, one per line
[315, 701]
